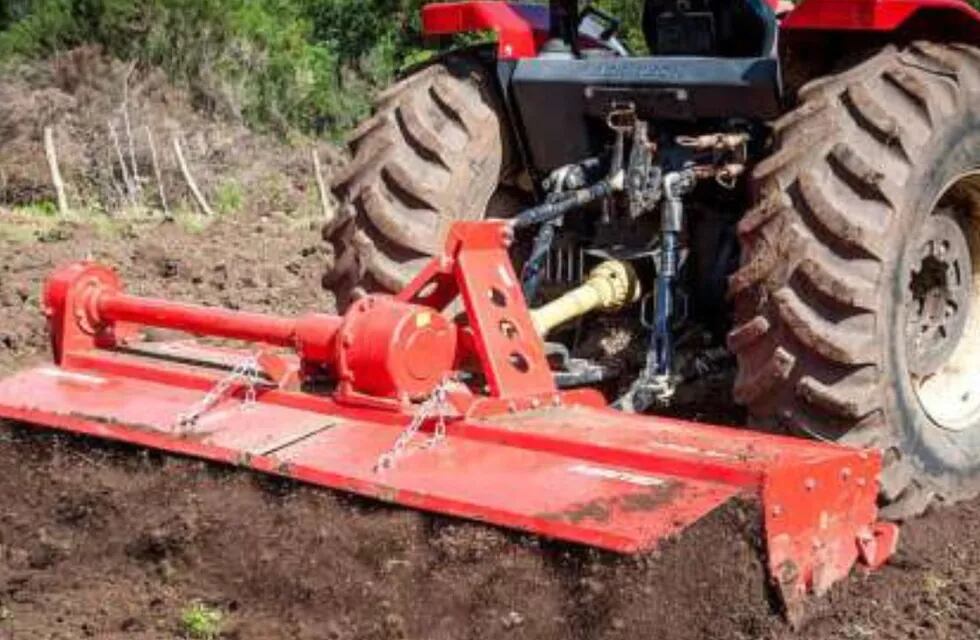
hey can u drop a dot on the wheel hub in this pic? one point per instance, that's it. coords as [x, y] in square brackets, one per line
[938, 298]
[942, 309]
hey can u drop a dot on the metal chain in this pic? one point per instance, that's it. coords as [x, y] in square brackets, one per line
[246, 372]
[434, 406]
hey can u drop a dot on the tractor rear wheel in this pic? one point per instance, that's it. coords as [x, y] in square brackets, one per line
[858, 300]
[434, 152]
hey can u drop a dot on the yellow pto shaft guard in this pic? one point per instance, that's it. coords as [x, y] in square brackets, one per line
[610, 287]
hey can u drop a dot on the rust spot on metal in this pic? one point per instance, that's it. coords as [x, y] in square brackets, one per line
[599, 510]
[109, 421]
[386, 493]
[651, 500]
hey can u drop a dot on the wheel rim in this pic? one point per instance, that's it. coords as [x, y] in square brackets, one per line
[942, 308]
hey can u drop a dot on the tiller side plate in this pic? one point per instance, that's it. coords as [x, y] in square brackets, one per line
[481, 431]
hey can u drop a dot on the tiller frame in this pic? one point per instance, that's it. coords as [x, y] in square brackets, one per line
[396, 401]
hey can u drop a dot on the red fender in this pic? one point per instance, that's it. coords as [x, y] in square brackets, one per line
[877, 15]
[521, 28]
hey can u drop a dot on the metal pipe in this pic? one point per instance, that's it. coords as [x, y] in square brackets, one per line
[310, 335]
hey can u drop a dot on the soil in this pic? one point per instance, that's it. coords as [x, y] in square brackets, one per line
[107, 541]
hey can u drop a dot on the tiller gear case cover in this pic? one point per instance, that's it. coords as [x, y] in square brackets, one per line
[397, 402]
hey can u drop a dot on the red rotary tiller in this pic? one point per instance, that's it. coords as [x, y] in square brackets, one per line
[397, 402]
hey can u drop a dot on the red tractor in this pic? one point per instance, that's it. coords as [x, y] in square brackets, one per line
[801, 191]
[792, 191]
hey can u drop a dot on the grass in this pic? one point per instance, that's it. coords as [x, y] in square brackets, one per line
[28, 224]
[40, 222]
[191, 221]
[201, 622]
[42, 209]
[228, 198]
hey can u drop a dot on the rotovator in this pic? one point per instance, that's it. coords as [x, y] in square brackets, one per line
[797, 190]
[396, 402]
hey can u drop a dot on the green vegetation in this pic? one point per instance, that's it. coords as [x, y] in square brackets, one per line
[280, 65]
[201, 622]
[310, 65]
[228, 198]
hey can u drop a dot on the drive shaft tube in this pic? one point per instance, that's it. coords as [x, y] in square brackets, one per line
[311, 336]
[381, 347]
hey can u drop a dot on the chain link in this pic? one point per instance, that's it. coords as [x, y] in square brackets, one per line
[436, 405]
[245, 372]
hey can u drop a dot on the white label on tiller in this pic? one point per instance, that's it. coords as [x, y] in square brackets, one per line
[622, 476]
[71, 375]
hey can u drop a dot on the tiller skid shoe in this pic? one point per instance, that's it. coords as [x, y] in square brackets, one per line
[397, 402]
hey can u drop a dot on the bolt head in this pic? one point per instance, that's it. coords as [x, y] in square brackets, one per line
[507, 236]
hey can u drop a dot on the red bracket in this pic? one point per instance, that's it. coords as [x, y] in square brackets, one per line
[476, 266]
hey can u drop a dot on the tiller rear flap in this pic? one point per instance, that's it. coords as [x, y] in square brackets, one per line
[398, 402]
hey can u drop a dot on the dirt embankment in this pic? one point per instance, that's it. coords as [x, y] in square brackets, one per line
[114, 129]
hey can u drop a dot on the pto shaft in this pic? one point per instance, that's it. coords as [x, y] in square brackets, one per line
[611, 286]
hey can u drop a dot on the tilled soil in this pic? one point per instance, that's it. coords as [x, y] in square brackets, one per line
[106, 541]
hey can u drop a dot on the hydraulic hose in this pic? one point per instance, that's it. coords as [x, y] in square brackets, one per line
[573, 200]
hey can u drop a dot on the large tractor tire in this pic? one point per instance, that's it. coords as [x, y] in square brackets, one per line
[858, 299]
[434, 152]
